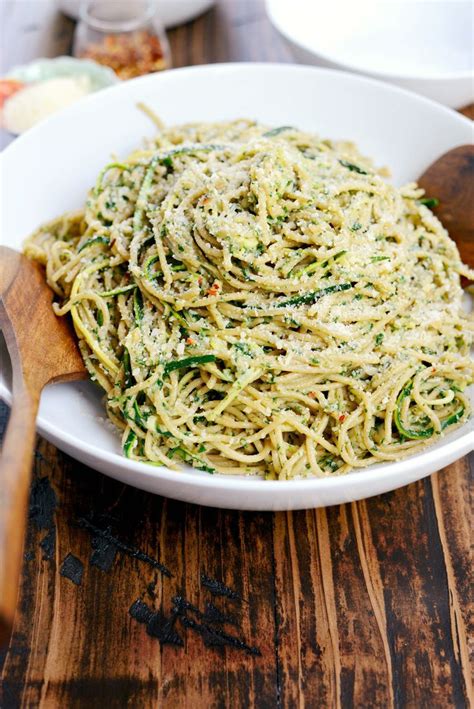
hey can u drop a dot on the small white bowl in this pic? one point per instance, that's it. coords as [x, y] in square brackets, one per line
[171, 12]
[422, 45]
[100, 77]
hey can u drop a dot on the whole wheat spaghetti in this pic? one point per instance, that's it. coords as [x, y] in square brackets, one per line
[259, 301]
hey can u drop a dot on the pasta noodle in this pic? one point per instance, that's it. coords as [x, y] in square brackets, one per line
[259, 301]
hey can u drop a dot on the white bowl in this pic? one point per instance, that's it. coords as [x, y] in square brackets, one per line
[64, 67]
[51, 167]
[171, 12]
[422, 45]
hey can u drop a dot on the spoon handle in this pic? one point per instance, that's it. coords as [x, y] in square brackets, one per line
[15, 473]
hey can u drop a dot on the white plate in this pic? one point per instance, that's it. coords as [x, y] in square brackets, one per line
[52, 166]
[171, 12]
[422, 45]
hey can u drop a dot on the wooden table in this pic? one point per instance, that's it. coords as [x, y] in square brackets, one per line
[128, 599]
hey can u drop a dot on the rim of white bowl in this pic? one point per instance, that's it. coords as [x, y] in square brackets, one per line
[238, 66]
[452, 448]
[358, 67]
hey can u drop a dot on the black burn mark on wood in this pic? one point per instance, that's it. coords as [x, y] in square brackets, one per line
[162, 628]
[213, 614]
[11, 693]
[48, 543]
[217, 588]
[157, 625]
[151, 589]
[105, 544]
[347, 687]
[19, 646]
[39, 458]
[208, 624]
[18, 652]
[72, 568]
[212, 636]
[140, 612]
[43, 503]
[4, 414]
[104, 551]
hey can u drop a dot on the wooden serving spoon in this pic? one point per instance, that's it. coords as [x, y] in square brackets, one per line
[451, 180]
[43, 349]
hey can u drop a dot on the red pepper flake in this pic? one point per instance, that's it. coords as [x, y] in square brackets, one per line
[129, 55]
[190, 341]
[342, 418]
[312, 394]
[213, 290]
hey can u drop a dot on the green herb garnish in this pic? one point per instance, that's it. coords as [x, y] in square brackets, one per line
[117, 291]
[188, 362]
[353, 168]
[191, 459]
[151, 275]
[94, 240]
[429, 202]
[310, 298]
[127, 369]
[130, 443]
[276, 131]
[138, 306]
[419, 433]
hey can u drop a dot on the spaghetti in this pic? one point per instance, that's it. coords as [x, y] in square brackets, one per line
[259, 301]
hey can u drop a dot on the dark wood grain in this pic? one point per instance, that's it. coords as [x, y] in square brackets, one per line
[361, 605]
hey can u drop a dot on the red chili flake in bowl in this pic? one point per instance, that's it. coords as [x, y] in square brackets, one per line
[129, 55]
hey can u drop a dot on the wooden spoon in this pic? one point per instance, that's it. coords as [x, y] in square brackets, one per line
[42, 349]
[451, 180]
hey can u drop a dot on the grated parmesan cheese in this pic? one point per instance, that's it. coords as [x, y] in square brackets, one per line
[38, 101]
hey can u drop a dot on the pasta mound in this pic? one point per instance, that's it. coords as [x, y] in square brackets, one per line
[259, 301]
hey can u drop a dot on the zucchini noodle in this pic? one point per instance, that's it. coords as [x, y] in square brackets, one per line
[263, 302]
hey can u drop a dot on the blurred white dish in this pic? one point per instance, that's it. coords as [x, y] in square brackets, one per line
[42, 69]
[422, 45]
[89, 74]
[395, 127]
[171, 12]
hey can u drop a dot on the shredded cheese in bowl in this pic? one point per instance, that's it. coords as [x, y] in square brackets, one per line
[38, 101]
